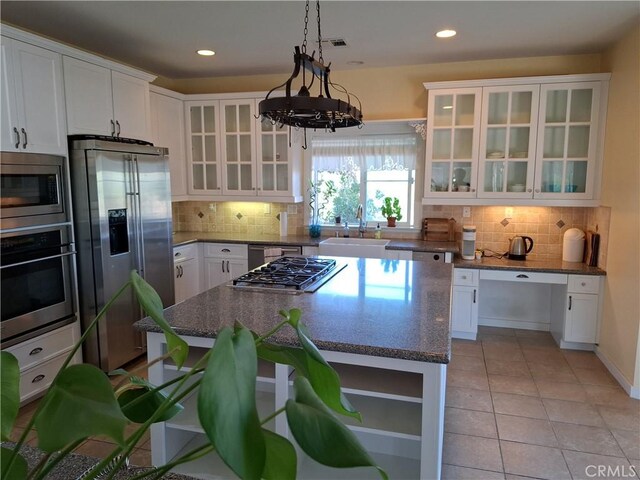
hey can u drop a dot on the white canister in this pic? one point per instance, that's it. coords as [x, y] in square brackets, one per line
[283, 224]
[573, 245]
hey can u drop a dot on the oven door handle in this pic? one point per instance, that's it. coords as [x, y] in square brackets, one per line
[73, 252]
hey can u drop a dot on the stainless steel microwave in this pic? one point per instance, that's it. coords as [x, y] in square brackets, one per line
[32, 190]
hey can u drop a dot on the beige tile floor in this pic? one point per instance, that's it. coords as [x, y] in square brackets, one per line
[517, 407]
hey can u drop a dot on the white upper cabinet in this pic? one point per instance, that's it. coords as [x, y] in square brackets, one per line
[232, 154]
[33, 118]
[529, 140]
[105, 102]
[167, 130]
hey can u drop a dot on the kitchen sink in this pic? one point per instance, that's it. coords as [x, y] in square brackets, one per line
[353, 247]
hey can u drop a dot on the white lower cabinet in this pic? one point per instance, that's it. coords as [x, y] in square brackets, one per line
[41, 357]
[224, 262]
[464, 308]
[582, 309]
[186, 266]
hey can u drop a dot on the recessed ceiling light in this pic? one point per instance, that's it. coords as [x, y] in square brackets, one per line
[206, 53]
[446, 33]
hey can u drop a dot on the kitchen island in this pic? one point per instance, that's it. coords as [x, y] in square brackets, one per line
[384, 326]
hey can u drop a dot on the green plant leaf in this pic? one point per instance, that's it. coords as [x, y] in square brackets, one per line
[292, 316]
[152, 305]
[323, 377]
[281, 461]
[18, 469]
[293, 356]
[148, 401]
[9, 393]
[80, 403]
[320, 434]
[227, 403]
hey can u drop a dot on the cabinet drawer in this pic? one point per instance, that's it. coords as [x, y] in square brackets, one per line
[524, 277]
[225, 250]
[185, 252]
[584, 284]
[465, 277]
[39, 378]
[44, 347]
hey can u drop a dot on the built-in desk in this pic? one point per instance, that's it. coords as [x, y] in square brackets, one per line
[560, 297]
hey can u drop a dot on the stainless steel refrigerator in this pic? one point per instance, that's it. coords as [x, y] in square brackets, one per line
[122, 217]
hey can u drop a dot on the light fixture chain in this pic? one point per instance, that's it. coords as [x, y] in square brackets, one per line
[319, 33]
[306, 27]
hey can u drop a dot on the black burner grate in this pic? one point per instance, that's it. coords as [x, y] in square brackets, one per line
[287, 272]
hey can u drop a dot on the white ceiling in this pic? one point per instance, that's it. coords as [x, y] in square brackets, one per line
[257, 37]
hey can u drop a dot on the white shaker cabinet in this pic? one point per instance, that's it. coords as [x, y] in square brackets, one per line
[186, 266]
[224, 262]
[238, 150]
[582, 309]
[33, 117]
[464, 307]
[105, 102]
[167, 130]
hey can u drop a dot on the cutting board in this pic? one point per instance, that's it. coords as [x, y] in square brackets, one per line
[438, 229]
[593, 247]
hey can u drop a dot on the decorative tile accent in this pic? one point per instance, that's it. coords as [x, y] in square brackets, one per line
[560, 224]
[239, 215]
[200, 214]
[504, 222]
[278, 217]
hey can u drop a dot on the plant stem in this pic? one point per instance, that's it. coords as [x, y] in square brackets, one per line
[143, 367]
[187, 457]
[40, 464]
[262, 338]
[61, 455]
[273, 415]
[44, 401]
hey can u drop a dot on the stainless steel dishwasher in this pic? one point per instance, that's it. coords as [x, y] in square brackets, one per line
[261, 254]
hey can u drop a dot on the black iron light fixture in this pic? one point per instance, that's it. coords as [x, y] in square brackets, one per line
[305, 110]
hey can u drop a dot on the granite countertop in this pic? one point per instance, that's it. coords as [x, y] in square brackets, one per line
[184, 238]
[388, 308]
[546, 266]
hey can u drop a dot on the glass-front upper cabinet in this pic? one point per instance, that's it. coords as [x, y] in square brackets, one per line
[204, 154]
[507, 141]
[567, 139]
[238, 146]
[452, 142]
[273, 167]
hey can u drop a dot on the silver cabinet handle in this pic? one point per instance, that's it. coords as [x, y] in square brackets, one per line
[177, 271]
[522, 275]
[35, 351]
[37, 378]
[226, 250]
[24, 133]
[178, 254]
[228, 271]
[222, 266]
[474, 295]
[181, 271]
[570, 302]
[17, 137]
[118, 125]
[113, 128]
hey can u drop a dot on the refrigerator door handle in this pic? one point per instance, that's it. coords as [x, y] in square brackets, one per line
[139, 217]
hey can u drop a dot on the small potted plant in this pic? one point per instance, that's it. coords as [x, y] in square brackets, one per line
[391, 210]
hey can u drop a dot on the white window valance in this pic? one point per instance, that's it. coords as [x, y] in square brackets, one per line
[369, 152]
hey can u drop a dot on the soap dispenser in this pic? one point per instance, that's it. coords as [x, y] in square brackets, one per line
[345, 230]
[378, 233]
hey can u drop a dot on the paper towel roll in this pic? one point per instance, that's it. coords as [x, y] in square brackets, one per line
[283, 224]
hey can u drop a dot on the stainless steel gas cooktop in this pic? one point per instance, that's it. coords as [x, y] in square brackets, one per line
[290, 275]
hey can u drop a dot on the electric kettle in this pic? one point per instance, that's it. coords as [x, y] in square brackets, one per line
[518, 247]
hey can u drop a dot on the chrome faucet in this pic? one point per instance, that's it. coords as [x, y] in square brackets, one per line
[362, 226]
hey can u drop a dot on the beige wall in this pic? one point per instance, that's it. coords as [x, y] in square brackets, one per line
[397, 92]
[621, 192]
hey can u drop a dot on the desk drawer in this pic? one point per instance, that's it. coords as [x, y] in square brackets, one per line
[465, 277]
[584, 284]
[38, 378]
[185, 252]
[523, 276]
[44, 347]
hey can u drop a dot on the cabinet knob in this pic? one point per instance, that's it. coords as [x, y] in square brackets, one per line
[584, 284]
[529, 190]
[473, 189]
[464, 277]
[537, 190]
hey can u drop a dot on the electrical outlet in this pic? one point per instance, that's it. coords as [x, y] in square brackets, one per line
[267, 208]
[508, 212]
[466, 212]
[212, 207]
[292, 209]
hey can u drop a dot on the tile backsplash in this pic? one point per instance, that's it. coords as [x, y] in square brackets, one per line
[546, 225]
[237, 217]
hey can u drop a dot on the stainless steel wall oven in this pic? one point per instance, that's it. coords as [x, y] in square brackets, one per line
[36, 247]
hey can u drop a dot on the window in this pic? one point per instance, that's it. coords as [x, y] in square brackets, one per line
[363, 169]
